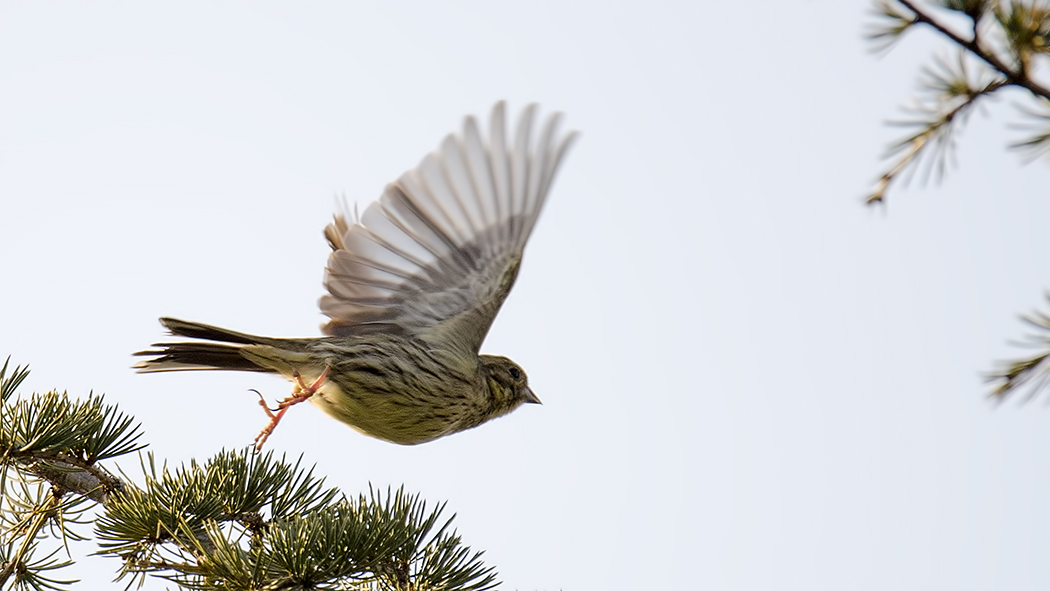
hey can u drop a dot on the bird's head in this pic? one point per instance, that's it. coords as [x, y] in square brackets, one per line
[508, 384]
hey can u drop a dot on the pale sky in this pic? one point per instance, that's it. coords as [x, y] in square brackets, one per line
[750, 380]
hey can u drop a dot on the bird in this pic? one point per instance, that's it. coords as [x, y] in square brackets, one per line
[413, 285]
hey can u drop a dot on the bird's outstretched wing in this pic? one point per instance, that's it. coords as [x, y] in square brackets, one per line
[437, 254]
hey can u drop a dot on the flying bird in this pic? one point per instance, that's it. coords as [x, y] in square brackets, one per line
[413, 286]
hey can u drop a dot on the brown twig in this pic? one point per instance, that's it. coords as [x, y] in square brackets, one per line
[1013, 77]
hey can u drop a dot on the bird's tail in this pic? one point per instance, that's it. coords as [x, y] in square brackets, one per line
[227, 353]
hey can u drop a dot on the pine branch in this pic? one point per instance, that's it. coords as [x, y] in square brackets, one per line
[955, 95]
[238, 520]
[1025, 27]
[1032, 373]
[1013, 76]
[1022, 28]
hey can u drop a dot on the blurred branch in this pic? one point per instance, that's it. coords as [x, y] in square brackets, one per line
[951, 92]
[1023, 27]
[1033, 372]
[1017, 75]
[1005, 42]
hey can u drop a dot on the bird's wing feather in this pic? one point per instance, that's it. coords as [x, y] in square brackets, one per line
[437, 254]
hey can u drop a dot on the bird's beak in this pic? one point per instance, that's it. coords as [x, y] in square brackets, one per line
[530, 396]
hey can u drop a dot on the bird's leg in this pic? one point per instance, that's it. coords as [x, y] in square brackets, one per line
[302, 392]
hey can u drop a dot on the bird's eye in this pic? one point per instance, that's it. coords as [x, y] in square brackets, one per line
[515, 373]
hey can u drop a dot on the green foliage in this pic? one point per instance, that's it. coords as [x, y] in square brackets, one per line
[238, 520]
[1037, 144]
[49, 446]
[1033, 372]
[998, 52]
[1006, 44]
[892, 20]
[1024, 27]
[948, 93]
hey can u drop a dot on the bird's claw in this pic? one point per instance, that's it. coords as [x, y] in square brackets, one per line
[302, 392]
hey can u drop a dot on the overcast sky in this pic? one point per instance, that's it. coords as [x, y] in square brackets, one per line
[750, 380]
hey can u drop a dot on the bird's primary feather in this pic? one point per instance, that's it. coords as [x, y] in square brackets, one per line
[437, 254]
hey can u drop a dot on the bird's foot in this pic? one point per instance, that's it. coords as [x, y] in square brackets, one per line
[302, 392]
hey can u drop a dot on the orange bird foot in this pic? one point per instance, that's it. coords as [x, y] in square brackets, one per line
[301, 393]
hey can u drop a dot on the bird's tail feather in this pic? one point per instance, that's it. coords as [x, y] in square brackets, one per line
[195, 356]
[189, 356]
[207, 332]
